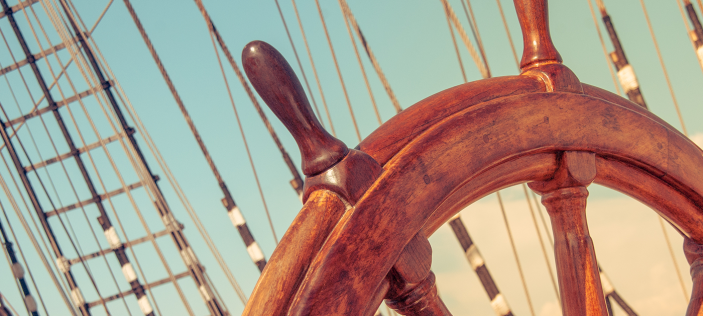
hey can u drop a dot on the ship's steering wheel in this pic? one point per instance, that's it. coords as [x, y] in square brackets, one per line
[362, 233]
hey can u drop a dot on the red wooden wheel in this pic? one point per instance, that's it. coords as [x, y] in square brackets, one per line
[362, 234]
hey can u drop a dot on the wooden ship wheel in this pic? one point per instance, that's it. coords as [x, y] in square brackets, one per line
[361, 236]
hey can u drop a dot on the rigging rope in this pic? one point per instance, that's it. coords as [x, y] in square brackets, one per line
[465, 38]
[297, 180]
[58, 283]
[456, 47]
[75, 291]
[137, 167]
[347, 12]
[361, 64]
[632, 89]
[605, 50]
[666, 74]
[339, 72]
[246, 145]
[517, 260]
[302, 71]
[230, 205]
[17, 270]
[500, 201]
[103, 214]
[314, 70]
[190, 259]
[474, 30]
[507, 32]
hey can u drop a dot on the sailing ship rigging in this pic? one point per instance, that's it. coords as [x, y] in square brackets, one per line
[90, 203]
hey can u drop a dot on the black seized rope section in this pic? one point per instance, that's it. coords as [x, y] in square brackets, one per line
[231, 207]
[18, 273]
[186, 252]
[626, 74]
[498, 302]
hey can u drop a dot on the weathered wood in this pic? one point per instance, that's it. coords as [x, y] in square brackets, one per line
[434, 164]
[564, 196]
[291, 259]
[694, 255]
[396, 133]
[447, 151]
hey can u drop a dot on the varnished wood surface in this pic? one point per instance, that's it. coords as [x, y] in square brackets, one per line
[291, 259]
[349, 178]
[538, 167]
[394, 134]
[447, 151]
[564, 197]
[488, 136]
[694, 256]
[276, 83]
[538, 47]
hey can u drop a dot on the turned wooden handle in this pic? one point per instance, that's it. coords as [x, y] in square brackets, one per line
[538, 45]
[279, 87]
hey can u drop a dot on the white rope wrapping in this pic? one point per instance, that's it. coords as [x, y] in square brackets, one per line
[205, 292]
[77, 297]
[236, 217]
[144, 305]
[63, 264]
[500, 305]
[699, 53]
[255, 252]
[170, 222]
[189, 257]
[128, 272]
[474, 257]
[627, 78]
[112, 239]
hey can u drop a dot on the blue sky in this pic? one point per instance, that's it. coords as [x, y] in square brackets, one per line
[412, 44]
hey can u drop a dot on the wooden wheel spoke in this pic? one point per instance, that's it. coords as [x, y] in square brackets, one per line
[412, 289]
[694, 255]
[565, 196]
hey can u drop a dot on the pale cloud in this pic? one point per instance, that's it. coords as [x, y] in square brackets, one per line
[697, 138]
[629, 245]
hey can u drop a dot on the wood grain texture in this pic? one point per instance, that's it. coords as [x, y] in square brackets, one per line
[694, 256]
[534, 22]
[427, 170]
[291, 259]
[565, 196]
[276, 83]
[397, 132]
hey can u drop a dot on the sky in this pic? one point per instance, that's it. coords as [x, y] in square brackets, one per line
[412, 44]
